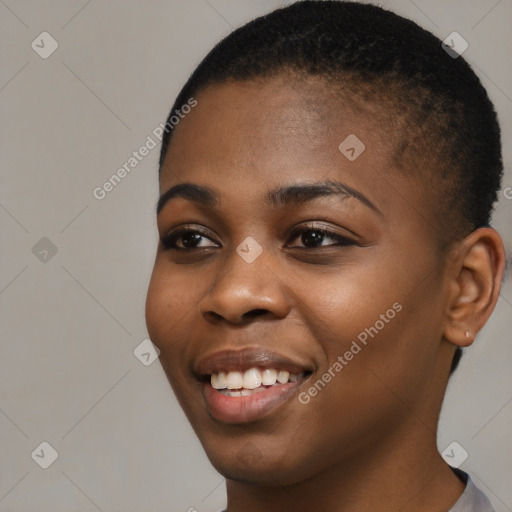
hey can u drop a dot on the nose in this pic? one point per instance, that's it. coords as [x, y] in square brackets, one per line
[244, 292]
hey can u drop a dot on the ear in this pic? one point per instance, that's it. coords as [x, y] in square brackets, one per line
[475, 282]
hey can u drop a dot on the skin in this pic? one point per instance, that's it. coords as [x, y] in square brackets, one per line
[367, 441]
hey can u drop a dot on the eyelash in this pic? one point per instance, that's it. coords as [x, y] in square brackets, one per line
[169, 242]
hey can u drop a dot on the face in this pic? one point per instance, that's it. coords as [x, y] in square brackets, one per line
[282, 255]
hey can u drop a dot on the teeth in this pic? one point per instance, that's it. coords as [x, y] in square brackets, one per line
[219, 380]
[234, 380]
[269, 377]
[282, 377]
[252, 379]
[241, 392]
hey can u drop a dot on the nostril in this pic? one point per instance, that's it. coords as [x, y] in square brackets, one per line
[216, 318]
[212, 317]
[254, 313]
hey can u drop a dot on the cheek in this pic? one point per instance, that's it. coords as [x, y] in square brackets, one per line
[339, 306]
[371, 330]
[171, 299]
[169, 305]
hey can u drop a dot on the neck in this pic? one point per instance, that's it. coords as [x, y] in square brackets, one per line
[405, 473]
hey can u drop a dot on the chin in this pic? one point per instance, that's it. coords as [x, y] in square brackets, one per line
[252, 466]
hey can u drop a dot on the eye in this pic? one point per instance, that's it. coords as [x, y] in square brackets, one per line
[186, 239]
[311, 237]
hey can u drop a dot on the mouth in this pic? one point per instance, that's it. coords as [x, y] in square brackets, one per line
[249, 385]
[251, 381]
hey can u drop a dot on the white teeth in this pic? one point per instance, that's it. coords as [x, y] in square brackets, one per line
[218, 380]
[241, 392]
[269, 377]
[251, 379]
[234, 380]
[282, 377]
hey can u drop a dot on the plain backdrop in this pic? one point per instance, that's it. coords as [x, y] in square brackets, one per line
[74, 269]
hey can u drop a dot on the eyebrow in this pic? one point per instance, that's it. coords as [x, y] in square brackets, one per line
[282, 196]
[190, 191]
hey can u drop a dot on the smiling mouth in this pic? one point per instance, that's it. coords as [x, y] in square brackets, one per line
[249, 384]
[252, 381]
[243, 397]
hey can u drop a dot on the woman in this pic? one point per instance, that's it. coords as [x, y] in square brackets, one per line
[325, 255]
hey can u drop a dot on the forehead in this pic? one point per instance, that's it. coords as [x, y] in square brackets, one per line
[243, 139]
[271, 128]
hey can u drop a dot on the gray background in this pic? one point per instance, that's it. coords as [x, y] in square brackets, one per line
[69, 324]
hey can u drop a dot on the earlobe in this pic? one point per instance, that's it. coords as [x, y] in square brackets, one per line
[457, 334]
[469, 337]
[475, 284]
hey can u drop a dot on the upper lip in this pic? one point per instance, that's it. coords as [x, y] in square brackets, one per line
[244, 359]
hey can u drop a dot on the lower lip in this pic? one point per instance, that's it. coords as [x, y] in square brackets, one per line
[243, 409]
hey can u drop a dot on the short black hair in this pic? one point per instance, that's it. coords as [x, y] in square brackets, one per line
[440, 111]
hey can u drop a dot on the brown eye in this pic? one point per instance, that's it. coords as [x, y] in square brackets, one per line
[315, 237]
[187, 239]
[312, 238]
